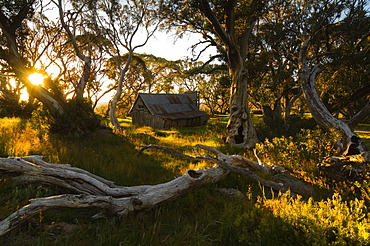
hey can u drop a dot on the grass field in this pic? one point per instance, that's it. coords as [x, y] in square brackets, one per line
[363, 131]
[337, 215]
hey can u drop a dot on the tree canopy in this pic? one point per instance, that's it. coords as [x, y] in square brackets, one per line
[85, 50]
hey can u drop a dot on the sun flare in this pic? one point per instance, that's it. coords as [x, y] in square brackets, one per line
[36, 79]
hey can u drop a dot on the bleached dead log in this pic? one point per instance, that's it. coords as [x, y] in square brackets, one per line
[76, 180]
[280, 178]
[66, 201]
[94, 191]
[130, 198]
[151, 197]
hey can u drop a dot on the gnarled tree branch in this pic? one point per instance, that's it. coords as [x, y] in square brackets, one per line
[93, 191]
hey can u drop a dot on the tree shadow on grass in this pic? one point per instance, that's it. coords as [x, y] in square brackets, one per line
[111, 157]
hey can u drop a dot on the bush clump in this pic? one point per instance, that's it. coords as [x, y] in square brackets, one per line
[290, 151]
[328, 222]
[78, 119]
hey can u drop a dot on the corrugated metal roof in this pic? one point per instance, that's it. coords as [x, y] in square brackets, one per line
[171, 106]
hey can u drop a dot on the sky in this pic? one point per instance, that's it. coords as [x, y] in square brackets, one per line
[167, 46]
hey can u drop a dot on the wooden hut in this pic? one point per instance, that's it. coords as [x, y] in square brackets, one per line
[164, 111]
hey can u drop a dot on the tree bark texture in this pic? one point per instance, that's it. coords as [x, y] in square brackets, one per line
[113, 105]
[241, 131]
[89, 190]
[350, 143]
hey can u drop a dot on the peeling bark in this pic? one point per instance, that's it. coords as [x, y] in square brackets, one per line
[241, 131]
[93, 191]
[350, 144]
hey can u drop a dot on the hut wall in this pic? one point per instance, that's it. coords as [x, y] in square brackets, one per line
[144, 118]
[140, 113]
[196, 121]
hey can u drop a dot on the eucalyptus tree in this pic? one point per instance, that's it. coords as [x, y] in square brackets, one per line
[184, 78]
[348, 72]
[162, 71]
[274, 84]
[138, 78]
[121, 23]
[214, 92]
[77, 19]
[319, 24]
[227, 25]
[14, 16]
[210, 80]
[31, 41]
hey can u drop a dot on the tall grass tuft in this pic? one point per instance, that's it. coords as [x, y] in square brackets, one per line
[18, 138]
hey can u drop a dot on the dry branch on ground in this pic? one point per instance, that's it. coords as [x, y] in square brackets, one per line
[89, 190]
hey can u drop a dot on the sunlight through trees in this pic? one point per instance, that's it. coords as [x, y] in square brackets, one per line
[36, 79]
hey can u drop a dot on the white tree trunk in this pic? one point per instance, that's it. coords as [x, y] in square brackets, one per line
[241, 131]
[81, 84]
[94, 191]
[113, 106]
[350, 142]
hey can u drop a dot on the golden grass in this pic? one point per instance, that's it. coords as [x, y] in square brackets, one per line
[202, 217]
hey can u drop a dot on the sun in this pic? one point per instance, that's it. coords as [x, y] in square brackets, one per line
[36, 79]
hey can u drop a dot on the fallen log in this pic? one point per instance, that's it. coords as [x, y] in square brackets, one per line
[341, 168]
[90, 190]
[76, 180]
[151, 197]
[280, 178]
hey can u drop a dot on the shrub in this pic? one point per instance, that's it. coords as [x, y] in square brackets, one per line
[78, 119]
[291, 151]
[259, 226]
[328, 222]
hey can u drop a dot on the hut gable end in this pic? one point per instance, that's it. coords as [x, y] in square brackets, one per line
[164, 111]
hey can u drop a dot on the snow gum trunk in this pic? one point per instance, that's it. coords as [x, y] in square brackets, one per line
[241, 131]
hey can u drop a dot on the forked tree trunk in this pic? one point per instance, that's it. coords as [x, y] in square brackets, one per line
[241, 131]
[82, 82]
[113, 105]
[350, 143]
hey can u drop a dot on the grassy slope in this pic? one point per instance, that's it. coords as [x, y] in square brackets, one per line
[203, 217]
